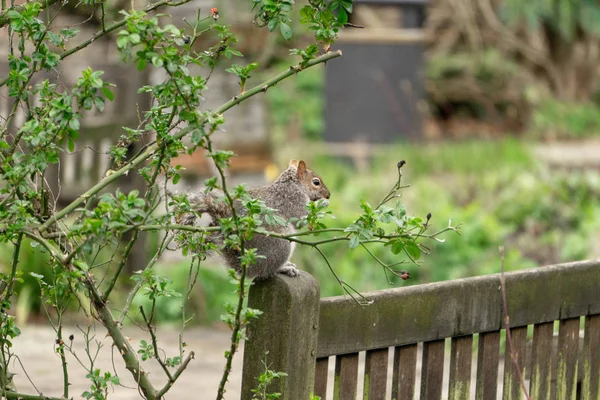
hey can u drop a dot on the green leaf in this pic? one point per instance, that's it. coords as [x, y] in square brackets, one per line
[108, 93]
[70, 145]
[342, 16]
[354, 242]
[413, 250]
[74, 124]
[140, 64]
[286, 31]
[134, 38]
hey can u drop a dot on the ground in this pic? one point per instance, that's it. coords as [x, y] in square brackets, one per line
[35, 348]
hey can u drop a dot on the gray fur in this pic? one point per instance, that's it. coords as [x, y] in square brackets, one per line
[289, 194]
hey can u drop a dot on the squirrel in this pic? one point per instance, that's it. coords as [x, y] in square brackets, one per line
[288, 195]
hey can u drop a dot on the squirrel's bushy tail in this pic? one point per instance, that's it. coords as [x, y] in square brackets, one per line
[207, 203]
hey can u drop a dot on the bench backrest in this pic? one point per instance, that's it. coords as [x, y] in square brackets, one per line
[427, 339]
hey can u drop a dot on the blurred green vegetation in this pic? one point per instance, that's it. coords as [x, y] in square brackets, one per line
[499, 194]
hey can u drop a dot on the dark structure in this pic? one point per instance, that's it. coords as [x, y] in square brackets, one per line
[374, 95]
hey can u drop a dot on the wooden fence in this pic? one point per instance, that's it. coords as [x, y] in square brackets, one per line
[406, 334]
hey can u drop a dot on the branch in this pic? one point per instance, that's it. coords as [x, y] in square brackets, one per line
[116, 25]
[105, 31]
[150, 151]
[21, 396]
[155, 345]
[105, 316]
[181, 368]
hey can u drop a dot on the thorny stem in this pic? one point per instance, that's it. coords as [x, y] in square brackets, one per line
[21, 396]
[178, 372]
[151, 150]
[155, 344]
[513, 352]
[63, 360]
[13, 269]
[162, 247]
[242, 287]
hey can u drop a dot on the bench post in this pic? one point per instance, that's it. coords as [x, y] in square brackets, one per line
[288, 330]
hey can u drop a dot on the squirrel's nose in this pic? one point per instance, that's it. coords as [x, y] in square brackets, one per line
[327, 195]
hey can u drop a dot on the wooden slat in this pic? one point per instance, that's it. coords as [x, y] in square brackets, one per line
[512, 384]
[541, 361]
[566, 377]
[460, 368]
[445, 309]
[432, 373]
[346, 377]
[591, 359]
[404, 375]
[488, 356]
[376, 366]
[321, 371]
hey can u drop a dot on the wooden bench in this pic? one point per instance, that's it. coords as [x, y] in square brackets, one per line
[460, 319]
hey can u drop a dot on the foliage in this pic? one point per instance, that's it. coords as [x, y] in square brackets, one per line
[264, 380]
[554, 119]
[541, 216]
[74, 237]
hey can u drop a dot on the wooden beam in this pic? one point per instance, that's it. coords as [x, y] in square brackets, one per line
[460, 307]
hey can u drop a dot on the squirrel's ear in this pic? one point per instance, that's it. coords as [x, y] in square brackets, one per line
[293, 163]
[301, 169]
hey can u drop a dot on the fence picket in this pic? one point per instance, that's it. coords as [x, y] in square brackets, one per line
[488, 356]
[591, 359]
[376, 365]
[346, 376]
[460, 368]
[321, 372]
[432, 373]
[541, 361]
[404, 375]
[568, 340]
[512, 385]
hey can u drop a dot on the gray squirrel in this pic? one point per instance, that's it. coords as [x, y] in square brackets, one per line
[288, 194]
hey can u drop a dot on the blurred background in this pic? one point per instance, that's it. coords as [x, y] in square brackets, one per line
[494, 105]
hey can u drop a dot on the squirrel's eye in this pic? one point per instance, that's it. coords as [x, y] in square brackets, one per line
[316, 182]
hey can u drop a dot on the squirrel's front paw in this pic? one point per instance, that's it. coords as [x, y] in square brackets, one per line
[289, 269]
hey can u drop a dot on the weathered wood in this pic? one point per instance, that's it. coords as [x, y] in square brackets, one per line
[488, 356]
[456, 308]
[432, 373]
[460, 368]
[346, 376]
[405, 372]
[376, 366]
[321, 372]
[541, 361]
[566, 377]
[591, 359]
[512, 385]
[287, 330]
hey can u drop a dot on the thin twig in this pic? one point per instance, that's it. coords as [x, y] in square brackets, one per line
[155, 344]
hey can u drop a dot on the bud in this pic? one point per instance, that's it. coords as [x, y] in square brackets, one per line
[401, 163]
